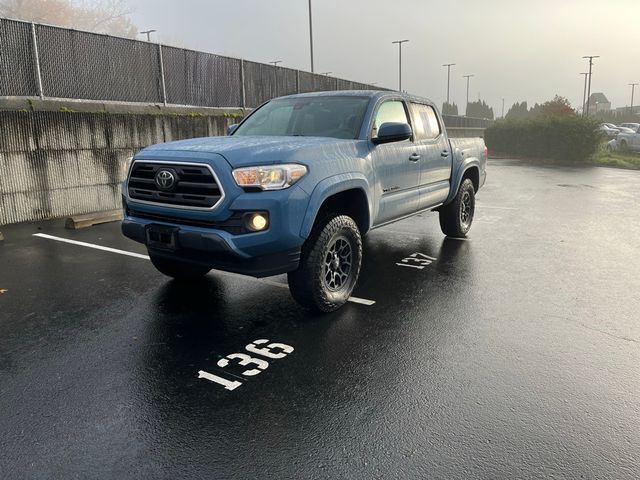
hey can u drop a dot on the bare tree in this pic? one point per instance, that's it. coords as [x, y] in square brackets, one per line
[100, 16]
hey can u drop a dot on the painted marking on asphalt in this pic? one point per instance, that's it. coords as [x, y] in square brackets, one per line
[361, 301]
[3, 290]
[272, 351]
[91, 245]
[480, 205]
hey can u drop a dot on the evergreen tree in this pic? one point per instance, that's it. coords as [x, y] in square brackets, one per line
[518, 111]
[449, 108]
[479, 109]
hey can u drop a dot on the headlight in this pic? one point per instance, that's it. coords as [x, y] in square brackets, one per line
[124, 168]
[269, 177]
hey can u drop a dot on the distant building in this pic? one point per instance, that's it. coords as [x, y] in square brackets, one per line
[636, 109]
[599, 103]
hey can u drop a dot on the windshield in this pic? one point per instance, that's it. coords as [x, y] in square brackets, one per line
[333, 117]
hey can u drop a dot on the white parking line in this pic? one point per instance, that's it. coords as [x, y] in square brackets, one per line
[91, 245]
[361, 301]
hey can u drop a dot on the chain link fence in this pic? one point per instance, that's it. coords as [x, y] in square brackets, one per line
[52, 62]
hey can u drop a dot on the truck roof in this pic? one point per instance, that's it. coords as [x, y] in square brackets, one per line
[360, 93]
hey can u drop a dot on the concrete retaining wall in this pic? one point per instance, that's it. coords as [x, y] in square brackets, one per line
[54, 164]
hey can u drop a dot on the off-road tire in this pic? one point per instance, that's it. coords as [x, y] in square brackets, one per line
[456, 217]
[178, 269]
[314, 284]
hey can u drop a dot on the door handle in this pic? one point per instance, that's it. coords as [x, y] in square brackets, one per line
[414, 157]
[445, 153]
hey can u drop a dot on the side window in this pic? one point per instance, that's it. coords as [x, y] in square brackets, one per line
[392, 111]
[426, 122]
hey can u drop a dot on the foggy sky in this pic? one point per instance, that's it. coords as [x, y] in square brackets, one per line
[518, 50]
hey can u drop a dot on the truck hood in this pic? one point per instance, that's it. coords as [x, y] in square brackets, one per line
[260, 150]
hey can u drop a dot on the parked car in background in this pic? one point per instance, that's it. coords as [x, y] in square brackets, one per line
[609, 130]
[629, 141]
[633, 126]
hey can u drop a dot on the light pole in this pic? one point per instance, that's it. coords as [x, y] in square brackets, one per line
[584, 93]
[467, 105]
[311, 35]
[448, 65]
[275, 62]
[633, 87]
[400, 42]
[590, 57]
[148, 34]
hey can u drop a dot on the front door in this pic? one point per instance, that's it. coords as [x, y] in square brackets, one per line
[397, 167]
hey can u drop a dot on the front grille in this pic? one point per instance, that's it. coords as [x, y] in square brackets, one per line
[194, 185]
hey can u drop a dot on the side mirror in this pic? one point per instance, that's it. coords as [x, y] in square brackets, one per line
[232, 128]
[392, 132]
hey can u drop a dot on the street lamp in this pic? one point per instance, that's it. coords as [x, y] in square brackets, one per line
[148, 34]
[400, 42]
[584, 93]
[467, 105]
[448, 65]
[633, 87]
[311, 35]
[590, 57]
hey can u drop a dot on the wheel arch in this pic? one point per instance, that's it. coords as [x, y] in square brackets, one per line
[342, 194]
[469, 169]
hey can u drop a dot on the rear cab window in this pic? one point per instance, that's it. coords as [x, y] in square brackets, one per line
[426, 124]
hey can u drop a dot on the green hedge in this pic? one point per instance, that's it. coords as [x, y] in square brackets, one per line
[567, 139]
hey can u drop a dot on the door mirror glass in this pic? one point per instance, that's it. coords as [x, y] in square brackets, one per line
[392, 132]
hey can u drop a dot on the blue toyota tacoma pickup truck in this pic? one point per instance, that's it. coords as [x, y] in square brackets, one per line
[294, 187]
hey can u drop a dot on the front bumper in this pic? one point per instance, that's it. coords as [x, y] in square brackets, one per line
[212, 250]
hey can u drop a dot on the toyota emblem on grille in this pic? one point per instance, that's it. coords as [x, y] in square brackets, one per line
[165, 179]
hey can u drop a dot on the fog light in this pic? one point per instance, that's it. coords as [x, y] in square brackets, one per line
[257, 221]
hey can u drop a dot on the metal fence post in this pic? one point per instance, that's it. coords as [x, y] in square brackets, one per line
[297, 81]
[164, 87]
[36, 57]
[242, 87]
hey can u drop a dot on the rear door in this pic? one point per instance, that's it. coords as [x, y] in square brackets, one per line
[396, 165]
[435, 157]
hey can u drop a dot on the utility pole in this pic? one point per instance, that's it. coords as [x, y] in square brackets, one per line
[311, 35]
[590, 57]
[148, 34]
[448, 65]
[275, 62]
[584, 93]
[467, 105]
[400, 42]
[633, 87]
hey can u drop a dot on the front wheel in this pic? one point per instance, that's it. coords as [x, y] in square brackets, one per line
[457, 216]
[330, 265]
[178, 269]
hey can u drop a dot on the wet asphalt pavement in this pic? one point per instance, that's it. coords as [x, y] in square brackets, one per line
[514, 354]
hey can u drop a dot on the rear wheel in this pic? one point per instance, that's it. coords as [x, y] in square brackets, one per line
[178, 269]
[330, 265]
[456, 217]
